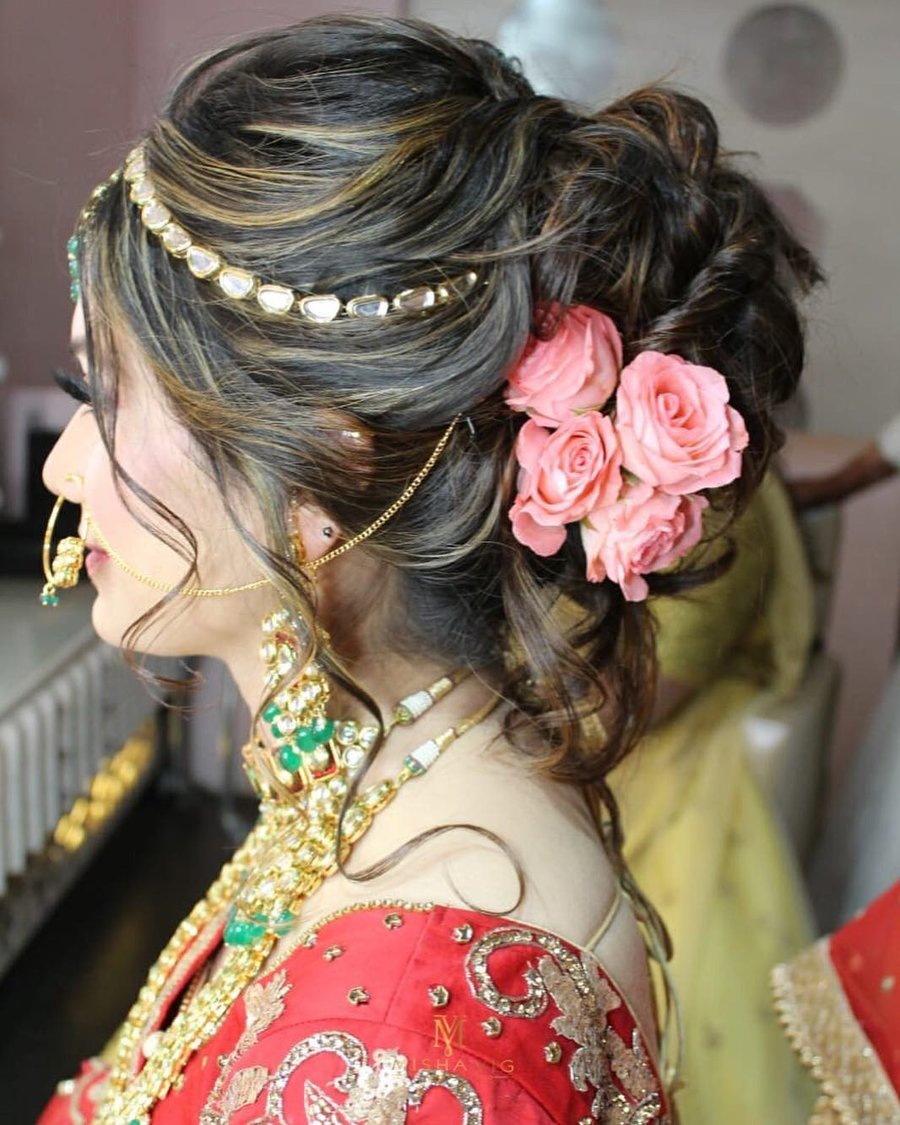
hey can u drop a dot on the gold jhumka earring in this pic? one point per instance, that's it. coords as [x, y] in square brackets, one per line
[65, 569]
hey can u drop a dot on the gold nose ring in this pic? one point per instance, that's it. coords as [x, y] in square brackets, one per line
[64, 571]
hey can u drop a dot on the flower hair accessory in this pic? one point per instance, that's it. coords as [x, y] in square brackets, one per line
[622, 452]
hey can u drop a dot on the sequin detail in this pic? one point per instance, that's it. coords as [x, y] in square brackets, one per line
[244, 1089]
[263, 1005]
[379, 1093]
[823, 1030]
[585, 1000]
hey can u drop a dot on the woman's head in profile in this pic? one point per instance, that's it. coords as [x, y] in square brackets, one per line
[363, 226]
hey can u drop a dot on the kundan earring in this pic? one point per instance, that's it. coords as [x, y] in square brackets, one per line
[296, 719]
[65, 569]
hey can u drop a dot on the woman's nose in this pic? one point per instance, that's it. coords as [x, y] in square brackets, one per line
[63, 471]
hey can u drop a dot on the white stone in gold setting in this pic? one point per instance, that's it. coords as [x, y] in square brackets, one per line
[457, 286]
[414, 300]
[275, 298]
[135, 164]
[235, 283]
[176, 239]
[141, 191]
[155, 216]
[202, 263]
[320, 307]
[369, 306]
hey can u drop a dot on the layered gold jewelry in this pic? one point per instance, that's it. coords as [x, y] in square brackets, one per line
[65, 569]
[258, 895]
[278, 300]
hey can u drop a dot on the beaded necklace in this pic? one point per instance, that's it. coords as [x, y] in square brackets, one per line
[285, 858]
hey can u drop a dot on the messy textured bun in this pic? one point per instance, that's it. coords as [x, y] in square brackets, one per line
[361, 154]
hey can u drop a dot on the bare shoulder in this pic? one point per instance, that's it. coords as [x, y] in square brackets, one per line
[499, 819]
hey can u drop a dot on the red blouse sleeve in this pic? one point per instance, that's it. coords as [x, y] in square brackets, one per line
[444, 1012]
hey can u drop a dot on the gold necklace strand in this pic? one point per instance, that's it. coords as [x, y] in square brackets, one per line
[313, 823]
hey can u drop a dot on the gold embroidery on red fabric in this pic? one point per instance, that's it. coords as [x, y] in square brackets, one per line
[632, 1067]
[585, 1000]
[319, 1108]
[244, 1089]
[263, 1004]
[379, 1093]
[459, 1087]
[823, 1030]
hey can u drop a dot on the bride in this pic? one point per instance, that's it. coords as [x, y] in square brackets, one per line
[437, 380]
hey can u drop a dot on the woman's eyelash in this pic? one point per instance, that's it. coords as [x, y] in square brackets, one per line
[74, 386]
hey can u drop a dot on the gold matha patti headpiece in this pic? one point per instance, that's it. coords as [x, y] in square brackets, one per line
[279, 300]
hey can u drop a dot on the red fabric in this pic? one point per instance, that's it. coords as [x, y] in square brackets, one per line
[397, 964]
[866, 956]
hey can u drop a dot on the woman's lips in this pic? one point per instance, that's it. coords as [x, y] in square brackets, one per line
[94, 559]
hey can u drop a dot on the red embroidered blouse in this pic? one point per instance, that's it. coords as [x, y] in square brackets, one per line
[382, 1010]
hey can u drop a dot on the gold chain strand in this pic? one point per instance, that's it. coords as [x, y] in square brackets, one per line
[162, 587]
[314, 564]
[313, 823]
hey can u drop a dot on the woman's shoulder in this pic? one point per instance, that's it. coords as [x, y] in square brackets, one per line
[390, 1006]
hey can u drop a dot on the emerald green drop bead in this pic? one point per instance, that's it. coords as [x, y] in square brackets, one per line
[271, 713]
[290, 758]
[322, 729]
[243, 933]
[305, 739]
[49, 599]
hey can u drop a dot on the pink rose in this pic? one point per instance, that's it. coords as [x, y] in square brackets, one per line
[575, 371]
[646, 530]
[565, 474]
[677, 430]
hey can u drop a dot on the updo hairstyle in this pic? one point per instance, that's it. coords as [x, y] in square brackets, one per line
[363, 154]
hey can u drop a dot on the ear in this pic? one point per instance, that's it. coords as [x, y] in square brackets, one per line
[312, 529]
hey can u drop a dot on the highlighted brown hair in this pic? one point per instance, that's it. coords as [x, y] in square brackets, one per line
[354, 154]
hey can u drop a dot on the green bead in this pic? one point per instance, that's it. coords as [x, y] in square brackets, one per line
[49, 599]
[305, 740]
[290, 758]
[271, 713]
[413, 766]
[322, 729]
[243, 933]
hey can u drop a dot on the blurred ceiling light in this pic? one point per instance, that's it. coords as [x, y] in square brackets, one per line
[567, 47]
